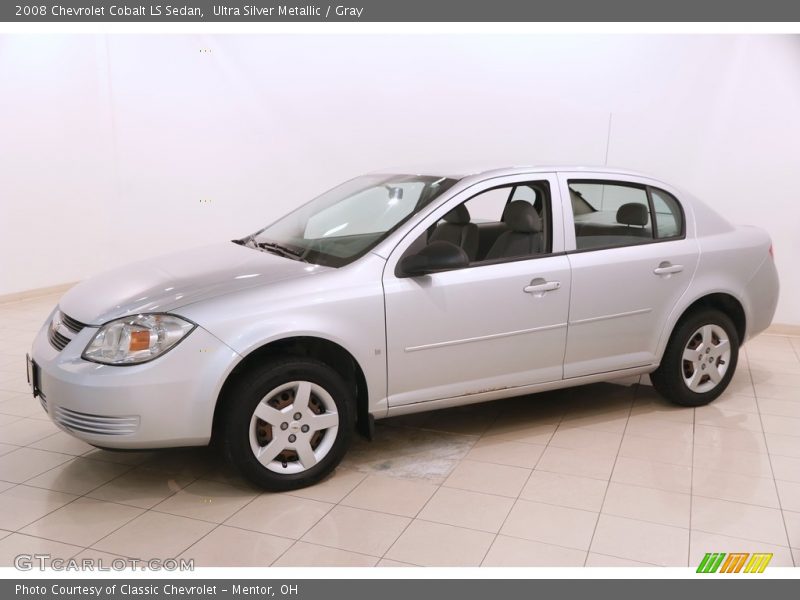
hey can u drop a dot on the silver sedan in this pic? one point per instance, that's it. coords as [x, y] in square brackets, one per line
[402, 292]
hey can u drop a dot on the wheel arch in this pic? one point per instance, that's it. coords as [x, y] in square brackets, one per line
[306, 346]
[723, 302]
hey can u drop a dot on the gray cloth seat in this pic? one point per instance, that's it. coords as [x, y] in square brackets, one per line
[524, 237]
[632, 221]
[635, 217]
[457, 229]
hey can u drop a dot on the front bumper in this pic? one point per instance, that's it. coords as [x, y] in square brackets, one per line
[164, 403]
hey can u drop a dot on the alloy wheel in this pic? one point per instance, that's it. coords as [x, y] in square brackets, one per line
[293, 427]
[706, 358]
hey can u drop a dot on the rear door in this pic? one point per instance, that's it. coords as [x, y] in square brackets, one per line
[631, 260]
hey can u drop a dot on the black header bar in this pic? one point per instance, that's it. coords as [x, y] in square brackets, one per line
[400, 11]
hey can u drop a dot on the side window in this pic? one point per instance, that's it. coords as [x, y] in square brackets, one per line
[669, 217]
[503, 223]
[524, 192]
[488, 206]
[610, 214]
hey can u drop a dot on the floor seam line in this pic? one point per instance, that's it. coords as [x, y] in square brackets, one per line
[522, 488]
[613, 467]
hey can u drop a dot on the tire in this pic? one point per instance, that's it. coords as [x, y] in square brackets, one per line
[307, 424]
[705, 370]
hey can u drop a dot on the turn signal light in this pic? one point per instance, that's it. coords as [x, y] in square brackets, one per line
[140, 340]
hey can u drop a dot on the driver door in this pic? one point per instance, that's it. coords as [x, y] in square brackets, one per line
[498, 323]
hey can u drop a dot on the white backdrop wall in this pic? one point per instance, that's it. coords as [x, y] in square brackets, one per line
[119, 147]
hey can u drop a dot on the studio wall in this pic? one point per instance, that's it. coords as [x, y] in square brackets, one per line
[114, 148]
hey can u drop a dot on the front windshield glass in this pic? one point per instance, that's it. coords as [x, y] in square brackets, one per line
[344, 223]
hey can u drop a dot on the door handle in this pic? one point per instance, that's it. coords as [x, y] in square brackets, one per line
[667, 268]
[539, 286]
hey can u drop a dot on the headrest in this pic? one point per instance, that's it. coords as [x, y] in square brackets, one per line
[458, 216]
[522, 217]
[633, 213]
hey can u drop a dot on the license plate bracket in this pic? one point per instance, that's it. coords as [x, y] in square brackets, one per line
[32, 370]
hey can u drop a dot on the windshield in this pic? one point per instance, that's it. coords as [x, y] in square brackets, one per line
[346, 222]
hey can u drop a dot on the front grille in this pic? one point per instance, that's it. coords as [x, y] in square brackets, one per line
[71, 324]
[57, 339]
[43, 400]
[60, 327]
[95, 424]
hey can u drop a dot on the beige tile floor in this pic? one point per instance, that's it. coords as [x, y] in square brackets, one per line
[601, 475]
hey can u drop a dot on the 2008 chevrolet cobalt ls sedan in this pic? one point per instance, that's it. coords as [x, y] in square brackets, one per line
[397, 293]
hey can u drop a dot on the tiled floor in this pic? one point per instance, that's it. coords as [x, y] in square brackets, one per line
[602, 475]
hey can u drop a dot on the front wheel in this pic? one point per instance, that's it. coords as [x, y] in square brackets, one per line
[699, 360]
[288, 424]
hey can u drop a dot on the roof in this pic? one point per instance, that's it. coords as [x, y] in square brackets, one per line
[459, 171]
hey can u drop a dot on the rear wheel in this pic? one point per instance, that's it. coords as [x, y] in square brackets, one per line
[288, 424]
[699, 360]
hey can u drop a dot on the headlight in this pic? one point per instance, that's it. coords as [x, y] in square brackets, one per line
[137, 339]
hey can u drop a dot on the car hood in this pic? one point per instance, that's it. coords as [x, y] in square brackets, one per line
[168, 282]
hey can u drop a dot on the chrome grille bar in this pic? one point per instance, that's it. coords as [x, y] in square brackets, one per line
[60, 328]
[73, 325]
[95, 424]
[57, 339]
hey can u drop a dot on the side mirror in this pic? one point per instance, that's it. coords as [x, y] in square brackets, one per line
[436, 256]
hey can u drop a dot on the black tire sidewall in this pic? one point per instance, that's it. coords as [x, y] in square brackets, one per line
[248, 393]
[668, 379]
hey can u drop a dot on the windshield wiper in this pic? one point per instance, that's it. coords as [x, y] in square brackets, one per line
[281, 250]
